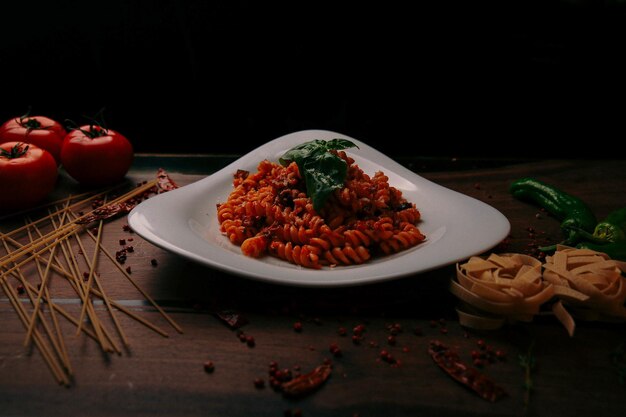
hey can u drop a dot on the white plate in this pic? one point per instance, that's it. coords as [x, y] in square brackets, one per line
[184, 221]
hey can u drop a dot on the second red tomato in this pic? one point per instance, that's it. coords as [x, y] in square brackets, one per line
[95, 156]
[38, 130]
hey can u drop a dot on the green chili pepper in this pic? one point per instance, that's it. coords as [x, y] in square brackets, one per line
[613, 228]
[573, 213]
[615, 250]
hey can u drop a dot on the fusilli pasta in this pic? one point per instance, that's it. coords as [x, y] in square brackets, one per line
[268, 212]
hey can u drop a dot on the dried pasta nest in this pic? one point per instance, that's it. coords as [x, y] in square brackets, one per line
[589, 283]
[512, 287]
[499, 288]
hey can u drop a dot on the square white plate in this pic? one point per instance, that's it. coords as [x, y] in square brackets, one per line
[184, 221]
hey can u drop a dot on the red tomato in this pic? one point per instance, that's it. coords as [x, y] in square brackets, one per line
[93, 155]
[27, 174]
[41, 131]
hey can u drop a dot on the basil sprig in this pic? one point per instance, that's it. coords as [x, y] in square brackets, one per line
[323, 172]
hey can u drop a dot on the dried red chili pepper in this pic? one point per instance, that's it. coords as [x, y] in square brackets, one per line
[106, 212]
[450, 361]
[305, 384]
[233, 319]
[164, 182]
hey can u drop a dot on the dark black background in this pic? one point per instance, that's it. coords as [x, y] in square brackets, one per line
[445, 78]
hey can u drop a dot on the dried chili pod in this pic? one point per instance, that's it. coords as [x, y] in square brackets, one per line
[450, 361]
[106, 212]
[164, 182]
[305, 384]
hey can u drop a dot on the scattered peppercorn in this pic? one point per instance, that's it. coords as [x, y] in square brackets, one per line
[259, 383]
[20, 289]
[297, 326]
[250, 341]
[335, 350]
[128, 270]
[153, 262]
[358, 329]
[209, 367]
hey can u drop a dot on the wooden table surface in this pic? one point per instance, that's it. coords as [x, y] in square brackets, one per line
[165, 376]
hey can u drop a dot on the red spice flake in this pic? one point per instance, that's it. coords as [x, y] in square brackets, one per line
[283, 375]
[297, 326]
[335, 350]
[232, 319]
[122, 242]
[356, 339]
[128, 270]
[450, 362]
[241, 174]
[259, 383]
[20, 289]
[477, 186]
[130, 239]
[129, 248]
[250, 341]
[307, 383]
[358, 329]
[209, 367]
[164, 182]
[406, 349]
[342, 331]
[120, 256]
[391, 339]
[153, 262]
[126, 228]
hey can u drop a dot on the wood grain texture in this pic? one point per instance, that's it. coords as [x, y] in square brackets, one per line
[164, 376]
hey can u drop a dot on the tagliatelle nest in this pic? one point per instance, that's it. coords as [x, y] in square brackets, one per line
[589, 282]
[513, 287]
[509, 286]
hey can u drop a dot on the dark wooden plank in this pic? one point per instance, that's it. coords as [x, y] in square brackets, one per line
[165, 376]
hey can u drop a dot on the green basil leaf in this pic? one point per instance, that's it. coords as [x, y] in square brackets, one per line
[339, 144]
[322, 171]
[303, 151]
[323, 174]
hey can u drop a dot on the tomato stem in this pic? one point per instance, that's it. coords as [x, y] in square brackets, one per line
[16, 151]
[97, 127]
[30, 123]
